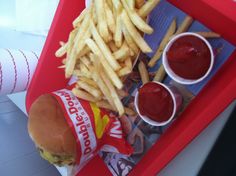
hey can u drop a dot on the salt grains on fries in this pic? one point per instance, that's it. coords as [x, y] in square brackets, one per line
[103, 48]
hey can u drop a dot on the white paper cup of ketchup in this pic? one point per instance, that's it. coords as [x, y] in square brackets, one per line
[188, 58]
[157, 104]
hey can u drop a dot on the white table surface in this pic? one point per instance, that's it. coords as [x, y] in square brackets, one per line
[187, 163]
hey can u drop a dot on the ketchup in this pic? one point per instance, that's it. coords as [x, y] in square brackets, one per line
[155, 102]
[189, 57]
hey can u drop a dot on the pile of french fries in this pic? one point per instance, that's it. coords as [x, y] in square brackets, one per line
[103, 47]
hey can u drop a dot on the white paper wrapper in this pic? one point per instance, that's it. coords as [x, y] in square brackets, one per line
[16, 70]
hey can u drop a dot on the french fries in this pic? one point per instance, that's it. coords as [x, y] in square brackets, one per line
[94, 14]
[160, 74]
[84, 51]
[81, 44]
[89, 81]
[85, 61]
[122, 53]
[61, 43]
[61, 51]
[110, 19]
[112, 46]
[128, 63]
[147, 7]
[136, 36]
[184, 25]
[104, 104]
[130, 112]
[122, 93]
[70, 44]
[93, 91]
[130, 41]
[109, 3]
[124, 71]
[143, 72]
[102, 49]
[118, 6]
[83, 95]
[113, 76]
[97, 78]
[208, 34]
[102, 22]
[131, 3]
[78, 20]
[139, 3]
[84, 70]
[78, 45]
[114, 95]
[82, 30]
[169, 33]
[136, 19]
[62, 67]
[118, 32]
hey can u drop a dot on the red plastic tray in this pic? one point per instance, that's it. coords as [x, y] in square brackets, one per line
[217, 94]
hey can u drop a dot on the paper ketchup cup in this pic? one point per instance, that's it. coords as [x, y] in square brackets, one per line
[162, 102]
[191, 64]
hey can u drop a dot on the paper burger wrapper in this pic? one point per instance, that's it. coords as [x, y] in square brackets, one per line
[16, 70]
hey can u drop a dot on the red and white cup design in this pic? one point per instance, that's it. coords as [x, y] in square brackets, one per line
[16, 70]
[177, 101]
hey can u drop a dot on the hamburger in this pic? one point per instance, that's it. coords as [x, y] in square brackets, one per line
[50, 132]
[68, 130]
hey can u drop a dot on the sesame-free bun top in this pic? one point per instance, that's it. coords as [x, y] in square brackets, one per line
[48, 128]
